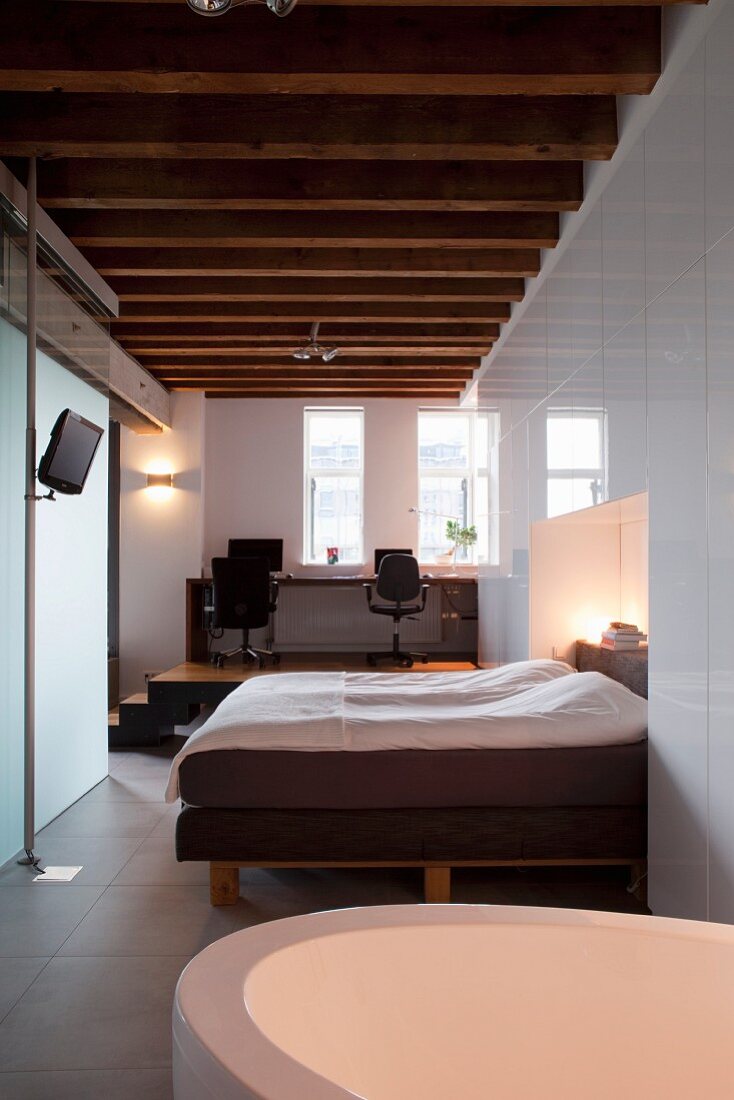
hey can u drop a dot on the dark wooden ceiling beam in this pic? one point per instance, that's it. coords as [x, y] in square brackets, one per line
[359, 127]
[401, 262]
[295, 229]
[340, 385]
[88, 47]
[254, 360]
[308, 312]
[228, 288]
[425, 332]
[454, 3]
[412, 374]
[160, 350]
[78, 184]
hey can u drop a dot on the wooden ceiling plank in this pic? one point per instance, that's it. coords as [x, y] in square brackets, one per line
[229, 288]
[114, 184]
[308, 312]
[87, 47]
[295, 229]
[149, 353]
[445, 396]
[337, 262]
[363, 127]
[425, 332]
[255, 362]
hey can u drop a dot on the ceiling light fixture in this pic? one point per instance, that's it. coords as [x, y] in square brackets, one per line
[219, 7]
[313, 349]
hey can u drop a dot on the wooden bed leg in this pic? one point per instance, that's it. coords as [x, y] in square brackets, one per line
[437, 884]
[224, 884]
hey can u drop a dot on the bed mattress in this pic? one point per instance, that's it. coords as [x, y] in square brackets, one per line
[605, 775]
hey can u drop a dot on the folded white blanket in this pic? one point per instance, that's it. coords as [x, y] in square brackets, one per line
[534, 704]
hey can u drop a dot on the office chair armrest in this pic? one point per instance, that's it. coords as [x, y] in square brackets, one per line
[425, 589]
[274, 590]
[368, 593]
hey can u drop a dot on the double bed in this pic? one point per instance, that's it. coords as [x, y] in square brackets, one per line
[530, 764]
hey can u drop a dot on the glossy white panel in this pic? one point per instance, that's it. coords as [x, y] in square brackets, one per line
[676, 387]
[623, 243]
[625, 402]
[720, 348]
[674, 181]
[720, 128]
[559, 288]
[586, 270]
[538, 464]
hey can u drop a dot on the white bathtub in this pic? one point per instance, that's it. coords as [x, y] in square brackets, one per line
[459, 1003]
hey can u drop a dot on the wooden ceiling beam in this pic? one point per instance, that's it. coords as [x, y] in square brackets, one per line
[150, 351]
[308, 312]
[319, 229]
[114, 184]
[359, 127]
[345, 332]
[336, 262]
[340, 385]
[411, 374]
[88, 47]
[228, 288]
[455, 3]
[254, 361]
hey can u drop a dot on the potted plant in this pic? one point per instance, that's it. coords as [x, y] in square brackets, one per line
[460, 536]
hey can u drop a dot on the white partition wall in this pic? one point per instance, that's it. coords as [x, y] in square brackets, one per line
[639, 333]
[71, 611]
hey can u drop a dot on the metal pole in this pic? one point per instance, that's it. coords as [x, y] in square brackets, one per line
[29, 806]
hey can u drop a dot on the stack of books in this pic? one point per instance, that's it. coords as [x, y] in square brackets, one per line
[622, 636]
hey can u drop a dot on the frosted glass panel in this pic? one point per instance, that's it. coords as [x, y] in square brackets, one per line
[71, 611]
[12, 444]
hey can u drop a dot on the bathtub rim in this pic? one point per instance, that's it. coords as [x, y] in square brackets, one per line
[203, 1032]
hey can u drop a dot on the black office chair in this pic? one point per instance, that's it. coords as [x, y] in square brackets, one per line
[244, 598]
[399, 582]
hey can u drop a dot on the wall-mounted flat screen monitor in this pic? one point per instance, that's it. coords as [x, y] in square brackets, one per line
[70, 453]
[380, 554]
[272, 549]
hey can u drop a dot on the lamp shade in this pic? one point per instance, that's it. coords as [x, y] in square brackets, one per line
[160, 481]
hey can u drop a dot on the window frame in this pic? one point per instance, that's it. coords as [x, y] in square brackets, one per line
[471, 473]
[310, 472]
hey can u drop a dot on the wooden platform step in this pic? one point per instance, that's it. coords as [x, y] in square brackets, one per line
[140, 723]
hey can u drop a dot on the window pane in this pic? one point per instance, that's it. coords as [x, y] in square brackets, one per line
[443, 441]
[481, 515]
[560, 441]
[482, 443]
[336, 518]
[586, 441]
[441, 499]
[334, 442]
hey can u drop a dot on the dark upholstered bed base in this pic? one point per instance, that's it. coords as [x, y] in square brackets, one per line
[439, 838]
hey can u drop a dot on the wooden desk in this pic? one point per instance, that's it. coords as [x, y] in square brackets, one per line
[197, 642]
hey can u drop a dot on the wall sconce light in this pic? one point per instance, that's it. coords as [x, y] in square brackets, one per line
[160, 481]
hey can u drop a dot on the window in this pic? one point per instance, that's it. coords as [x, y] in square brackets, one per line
[575, 442]
[334, 466]
[453, 471]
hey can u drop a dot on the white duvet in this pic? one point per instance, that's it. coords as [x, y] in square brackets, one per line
[530, 704]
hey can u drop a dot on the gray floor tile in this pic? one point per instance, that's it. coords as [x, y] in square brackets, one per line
[36, 922]
[115, 760]
[101, 859]
[166, 827]
[93, 1014]
[154, 863]
[151, 762]
[88, 1084]
[150, 920]
[15, 977]
[127, 788]
[129, 819]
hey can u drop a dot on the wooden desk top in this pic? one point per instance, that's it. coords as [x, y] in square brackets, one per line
[350, 580]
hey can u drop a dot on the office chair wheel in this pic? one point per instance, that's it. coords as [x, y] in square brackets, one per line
[407, 662]
[261, 662]
[276, 658]
[424, 660]
[371, 661]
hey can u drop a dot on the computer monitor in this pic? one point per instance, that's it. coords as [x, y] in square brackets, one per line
[380, 554]
[272, 549]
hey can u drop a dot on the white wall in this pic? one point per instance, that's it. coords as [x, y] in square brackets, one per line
[637, 318]
[254, 475]
[160, 541]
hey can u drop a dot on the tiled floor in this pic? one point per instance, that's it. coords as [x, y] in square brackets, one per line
[88, 969]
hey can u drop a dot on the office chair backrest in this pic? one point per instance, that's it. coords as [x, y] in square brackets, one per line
[399, 578]
[241, 593]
